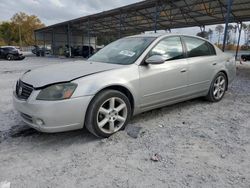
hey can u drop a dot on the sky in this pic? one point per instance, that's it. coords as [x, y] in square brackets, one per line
[55, 11]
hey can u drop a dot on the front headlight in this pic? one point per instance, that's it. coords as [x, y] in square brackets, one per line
[57, 92]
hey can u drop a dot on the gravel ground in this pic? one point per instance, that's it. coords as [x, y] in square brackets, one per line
[196, 143]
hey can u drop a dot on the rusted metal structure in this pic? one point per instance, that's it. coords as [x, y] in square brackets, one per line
[150, 15]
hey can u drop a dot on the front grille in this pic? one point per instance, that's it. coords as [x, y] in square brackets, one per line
[23, 90]
[27, 117]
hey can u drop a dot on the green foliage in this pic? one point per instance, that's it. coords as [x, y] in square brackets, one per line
[219, 29]
[6, 33]
[21, 26]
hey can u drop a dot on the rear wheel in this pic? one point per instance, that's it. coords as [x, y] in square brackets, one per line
[109, 112]
[9, 57]
[218, 88]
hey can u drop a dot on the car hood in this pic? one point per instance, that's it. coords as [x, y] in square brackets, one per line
[65, 72]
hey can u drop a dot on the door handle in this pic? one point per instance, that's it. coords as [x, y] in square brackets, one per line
[214, 63]
[183, 70]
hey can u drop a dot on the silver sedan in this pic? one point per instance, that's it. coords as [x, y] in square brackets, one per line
[127, 77]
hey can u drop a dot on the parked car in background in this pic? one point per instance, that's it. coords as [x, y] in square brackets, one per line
[87, 51]
[245, 57]
[11, 53]
[129, 76]
[41, 51]
[76, 51]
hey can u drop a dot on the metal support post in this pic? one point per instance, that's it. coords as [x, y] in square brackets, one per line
[53, 42]
[229, 6]
[89, 35]
[69, 40]
[120, 25]
[155, 16]
[238, 43]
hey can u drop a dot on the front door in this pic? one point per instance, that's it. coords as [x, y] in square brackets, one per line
[164, 82]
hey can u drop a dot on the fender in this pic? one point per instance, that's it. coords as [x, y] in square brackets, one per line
[92, 84]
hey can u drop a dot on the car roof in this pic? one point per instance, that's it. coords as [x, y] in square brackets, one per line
[7, 46]
[156, 35]
[162, 35]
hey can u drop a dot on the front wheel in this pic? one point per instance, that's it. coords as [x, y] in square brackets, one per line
[9, 57]
[108, 112]
[218, 88]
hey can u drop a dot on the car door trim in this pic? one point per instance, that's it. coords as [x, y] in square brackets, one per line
[156, 93]
[171, 100]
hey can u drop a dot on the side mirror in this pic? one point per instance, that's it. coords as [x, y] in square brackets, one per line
[155, 60]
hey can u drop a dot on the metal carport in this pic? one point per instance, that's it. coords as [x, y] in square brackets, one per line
[150, 15]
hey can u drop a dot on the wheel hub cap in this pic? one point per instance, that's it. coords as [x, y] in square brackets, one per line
[219, 87]
[112, 115]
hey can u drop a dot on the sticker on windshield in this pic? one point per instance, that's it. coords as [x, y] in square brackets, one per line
[127, 53]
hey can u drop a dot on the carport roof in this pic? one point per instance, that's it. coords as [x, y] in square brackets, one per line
[151, 15]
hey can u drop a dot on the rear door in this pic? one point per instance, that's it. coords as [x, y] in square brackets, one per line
[202, 61]
[163, 82]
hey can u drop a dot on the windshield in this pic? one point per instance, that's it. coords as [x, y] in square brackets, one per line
[124, 51]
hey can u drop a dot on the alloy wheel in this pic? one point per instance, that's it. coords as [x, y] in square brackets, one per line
[112, 115]
[219, 87]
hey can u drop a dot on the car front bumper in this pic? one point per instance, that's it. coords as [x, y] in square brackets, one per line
[53, 116]
[18, 56]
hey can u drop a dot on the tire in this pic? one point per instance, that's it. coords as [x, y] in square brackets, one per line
[102, 119]
[21, 58]
[9, 57]
[218, 88]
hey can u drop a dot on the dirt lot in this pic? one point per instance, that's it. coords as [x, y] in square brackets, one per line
[199, 144]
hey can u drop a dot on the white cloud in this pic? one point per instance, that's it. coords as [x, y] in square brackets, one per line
[57, 3]
[54, 11]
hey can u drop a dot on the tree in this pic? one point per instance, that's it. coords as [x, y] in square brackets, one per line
[210, 34]
[203, 34]
[21, 26]
[248, 34]
[229, 35]
[219, 29]
[6, 33]
[234, 34]
[244, 27]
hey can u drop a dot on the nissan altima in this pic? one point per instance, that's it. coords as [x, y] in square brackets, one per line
[127, 77]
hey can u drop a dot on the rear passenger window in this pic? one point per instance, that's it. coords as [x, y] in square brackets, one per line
[211, 47]
[198, 47]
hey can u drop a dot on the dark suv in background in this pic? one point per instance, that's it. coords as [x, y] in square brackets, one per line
[245, 57]
[10, 53]
[84, 51]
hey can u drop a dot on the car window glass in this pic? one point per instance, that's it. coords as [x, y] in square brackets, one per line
[170, 48]
[9, 48]
[196, 47]
[123, 51]
[211, 48]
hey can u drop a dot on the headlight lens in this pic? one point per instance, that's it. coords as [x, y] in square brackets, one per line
[57, 92]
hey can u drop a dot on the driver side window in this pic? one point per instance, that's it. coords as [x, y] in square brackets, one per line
[170, 48]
